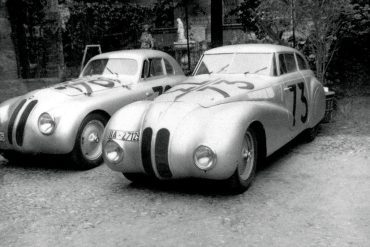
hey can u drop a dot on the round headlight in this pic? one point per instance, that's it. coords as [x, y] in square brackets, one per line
[46, 124]
[113, 152]
[204, 158]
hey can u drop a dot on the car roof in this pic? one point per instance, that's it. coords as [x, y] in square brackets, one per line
[135, 53]
[249, 48]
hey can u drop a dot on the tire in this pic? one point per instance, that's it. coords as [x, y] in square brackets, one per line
[310, 134]
[244, 174]
[134, 177]
[87, 150]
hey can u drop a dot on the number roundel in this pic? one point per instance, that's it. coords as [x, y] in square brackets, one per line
[293, 88]
[304, 101]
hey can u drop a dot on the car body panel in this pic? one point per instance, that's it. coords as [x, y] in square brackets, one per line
[215, 110]
[70, 102]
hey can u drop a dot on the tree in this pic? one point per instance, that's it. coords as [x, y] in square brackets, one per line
[267, 19]
[320, 21]
[326, 19]
[114, 25]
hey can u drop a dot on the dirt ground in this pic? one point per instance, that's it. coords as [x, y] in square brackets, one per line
[315, 194]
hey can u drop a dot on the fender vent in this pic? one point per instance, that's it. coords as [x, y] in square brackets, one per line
[19, 133]
[12, 121]
[145, 151]
[161, 153]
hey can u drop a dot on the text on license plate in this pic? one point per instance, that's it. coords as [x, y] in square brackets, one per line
[2, 137]
[131, 136]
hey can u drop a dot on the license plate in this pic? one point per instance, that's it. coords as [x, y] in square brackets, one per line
[130, 136]
[2, 137]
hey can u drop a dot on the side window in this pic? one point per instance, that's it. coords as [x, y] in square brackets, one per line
[301, 62]
[145, 72]
[282, 65]
[156, 68]
[290, 62]
[169, 68]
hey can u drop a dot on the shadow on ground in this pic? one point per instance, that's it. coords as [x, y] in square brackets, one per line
[208, 187]
[53, 162]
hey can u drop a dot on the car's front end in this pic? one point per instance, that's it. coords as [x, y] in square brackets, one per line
[31, 123]
[171, 140]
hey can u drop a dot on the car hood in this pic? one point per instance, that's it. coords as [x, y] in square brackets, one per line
[88, 85]
[208, 90]
[62, 92]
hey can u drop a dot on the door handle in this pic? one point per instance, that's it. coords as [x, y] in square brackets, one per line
[287, 89]
[149, 94]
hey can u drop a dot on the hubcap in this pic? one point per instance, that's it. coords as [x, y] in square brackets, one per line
[91, 140]
[247, 155]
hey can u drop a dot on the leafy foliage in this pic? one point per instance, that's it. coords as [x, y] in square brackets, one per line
[26, 17]
[265, 18]
[321, 23]
[112, 24]
[163, 10]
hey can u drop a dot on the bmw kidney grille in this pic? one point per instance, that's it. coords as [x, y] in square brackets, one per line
[161, 152]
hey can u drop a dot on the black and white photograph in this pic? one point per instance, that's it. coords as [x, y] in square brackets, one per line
[184, 123]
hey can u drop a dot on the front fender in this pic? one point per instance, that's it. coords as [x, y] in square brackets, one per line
[128, 118]
[68, 118]
[222, 128]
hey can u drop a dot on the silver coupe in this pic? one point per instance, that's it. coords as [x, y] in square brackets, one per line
[242, 103]
[69, 118]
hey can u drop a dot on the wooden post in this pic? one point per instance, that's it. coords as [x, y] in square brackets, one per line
[187, 33]
[216, 23]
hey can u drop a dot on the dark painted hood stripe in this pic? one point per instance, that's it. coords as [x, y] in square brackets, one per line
[161, 153]
[12, 121]
[19, 134]
[146, 143]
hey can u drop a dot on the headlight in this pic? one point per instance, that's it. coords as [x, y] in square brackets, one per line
[204, 158]
[46, 124]
[113, 152]
[4, 113]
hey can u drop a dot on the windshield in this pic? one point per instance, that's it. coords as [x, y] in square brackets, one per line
[115, 66]
[238, 63]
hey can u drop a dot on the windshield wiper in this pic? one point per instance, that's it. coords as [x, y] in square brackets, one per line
[114, 73]
[223, 68]
[259, 70]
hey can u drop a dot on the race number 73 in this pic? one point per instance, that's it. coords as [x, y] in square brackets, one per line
[303, 100]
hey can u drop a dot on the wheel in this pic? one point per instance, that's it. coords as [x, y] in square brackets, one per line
[246, 169]
[87, 150]
[134, 177]
[310, 134]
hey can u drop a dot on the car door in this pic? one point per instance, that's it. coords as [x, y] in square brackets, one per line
[156, 77]
[294, 92]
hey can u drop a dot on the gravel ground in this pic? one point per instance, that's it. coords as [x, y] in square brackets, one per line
[315, 194]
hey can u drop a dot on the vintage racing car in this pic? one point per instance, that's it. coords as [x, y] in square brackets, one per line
[69, 118]
[242, 103]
